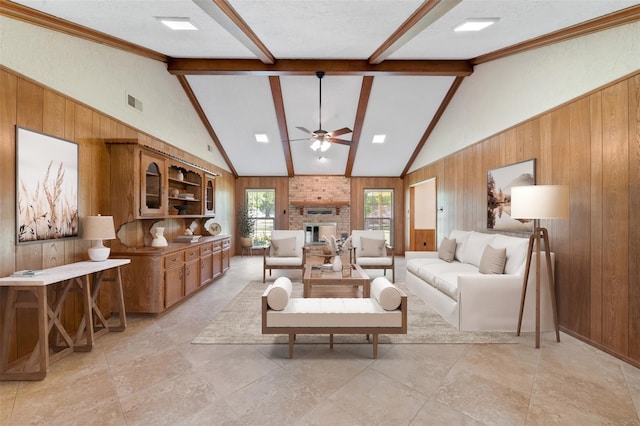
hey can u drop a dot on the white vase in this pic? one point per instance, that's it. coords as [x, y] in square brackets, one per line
[158, 237]
[337, 263]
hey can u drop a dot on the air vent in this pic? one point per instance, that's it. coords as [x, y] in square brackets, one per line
[134, 103]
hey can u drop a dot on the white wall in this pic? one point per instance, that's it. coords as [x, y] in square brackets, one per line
[101, 76]
[508, 91]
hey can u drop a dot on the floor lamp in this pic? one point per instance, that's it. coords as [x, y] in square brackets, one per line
[539, 202]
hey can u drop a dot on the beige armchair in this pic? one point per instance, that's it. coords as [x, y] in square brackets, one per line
[370, 251]
[286, 251]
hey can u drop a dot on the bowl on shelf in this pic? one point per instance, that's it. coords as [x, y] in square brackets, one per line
[182, 209]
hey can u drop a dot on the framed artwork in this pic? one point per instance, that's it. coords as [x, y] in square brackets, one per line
[499, 184]
[46, 187]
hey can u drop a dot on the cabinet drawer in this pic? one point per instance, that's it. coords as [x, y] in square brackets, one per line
[206, 249]
[226, 244]
[217, 246]
[191, 254]
[172, 260]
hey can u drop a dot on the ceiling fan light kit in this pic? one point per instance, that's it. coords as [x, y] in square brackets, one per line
[321, 139]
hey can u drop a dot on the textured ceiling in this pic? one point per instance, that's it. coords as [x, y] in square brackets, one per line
[401, 104]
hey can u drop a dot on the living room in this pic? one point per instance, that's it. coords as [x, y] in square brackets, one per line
[557, 104]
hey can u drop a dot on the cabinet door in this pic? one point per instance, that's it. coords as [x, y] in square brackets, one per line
[173, 286]
[209, 195]
[191, 277]
[217, 259]
[206, 269]
[152, 185]
[226, 255]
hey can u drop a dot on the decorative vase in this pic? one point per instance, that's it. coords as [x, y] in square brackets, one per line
[180, 175]
[337, 263]
[158, 237]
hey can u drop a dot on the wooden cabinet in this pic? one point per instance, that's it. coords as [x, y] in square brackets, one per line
[159, 279]
[149, 184]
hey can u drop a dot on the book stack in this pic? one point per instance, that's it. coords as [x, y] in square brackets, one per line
[27, 273]
[188, 238]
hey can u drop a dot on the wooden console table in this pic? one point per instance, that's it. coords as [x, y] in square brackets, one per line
[80, 274]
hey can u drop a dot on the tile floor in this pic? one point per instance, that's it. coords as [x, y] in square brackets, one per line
[152, 375]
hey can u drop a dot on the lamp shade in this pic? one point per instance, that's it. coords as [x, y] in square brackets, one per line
[540, 202]
[98, 228]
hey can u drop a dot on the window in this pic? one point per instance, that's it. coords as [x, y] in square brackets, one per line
[378, 211]
[261, 206]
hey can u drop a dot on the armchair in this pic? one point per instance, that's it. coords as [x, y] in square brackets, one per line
[286, 251]
[370, 251]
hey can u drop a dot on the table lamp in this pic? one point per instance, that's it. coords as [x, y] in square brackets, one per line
[539, 202]
[98, 228]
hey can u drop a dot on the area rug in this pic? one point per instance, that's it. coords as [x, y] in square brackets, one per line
[240, 322]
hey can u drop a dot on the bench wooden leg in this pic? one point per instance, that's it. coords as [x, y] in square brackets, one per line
[331, 342]
[375, 346]
[292, 338]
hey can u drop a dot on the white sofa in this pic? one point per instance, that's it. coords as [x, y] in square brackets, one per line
[473, 301]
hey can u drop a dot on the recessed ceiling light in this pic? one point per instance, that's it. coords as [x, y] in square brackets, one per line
[378, 138]
[474, 24]
[261, 137]
[178, 24]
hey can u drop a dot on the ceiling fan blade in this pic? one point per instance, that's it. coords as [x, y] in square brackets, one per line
[305, 130]
[301, 139]
[339, 141]
[339, 132]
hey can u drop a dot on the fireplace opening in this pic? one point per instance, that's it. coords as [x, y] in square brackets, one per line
[316, 233]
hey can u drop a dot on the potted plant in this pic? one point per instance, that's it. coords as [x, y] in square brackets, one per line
[245, 226]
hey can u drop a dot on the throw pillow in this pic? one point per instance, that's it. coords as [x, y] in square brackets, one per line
[447, 250]
[493, 260]
[278, 296]
[370, 247]
[387, 295]
[284, 247]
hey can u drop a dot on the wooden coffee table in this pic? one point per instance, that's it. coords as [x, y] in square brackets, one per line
[320, 275]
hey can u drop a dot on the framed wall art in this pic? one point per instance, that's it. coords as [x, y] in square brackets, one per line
[499, 184]
[46, 187]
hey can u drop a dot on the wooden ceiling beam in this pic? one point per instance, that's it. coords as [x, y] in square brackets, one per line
[284, 67]
[225, 15]
[425, 15]
[363, 103]
[205, 122]
[436, 117]
[281, 117]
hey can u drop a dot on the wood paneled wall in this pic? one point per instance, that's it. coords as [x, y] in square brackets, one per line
[591, 144]
[28, 104]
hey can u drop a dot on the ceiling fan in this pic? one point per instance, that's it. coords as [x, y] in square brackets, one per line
[322, 139]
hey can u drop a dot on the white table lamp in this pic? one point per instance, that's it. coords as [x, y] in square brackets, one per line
[98, 228]
[539, 202]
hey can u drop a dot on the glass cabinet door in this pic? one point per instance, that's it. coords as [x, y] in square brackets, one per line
[151, 185]
[209, 196]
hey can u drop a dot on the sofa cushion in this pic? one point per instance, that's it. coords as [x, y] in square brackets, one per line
[447, 283]
[279, 293]
[516, 251]
[387, 295]
[414, 265]
[429, 272]
[370, 247]
[493, 260]
[461, 238]
[285, 247]
[447, 249]
[474, 247]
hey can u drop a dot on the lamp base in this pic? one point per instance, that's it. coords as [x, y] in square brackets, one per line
[99, 254]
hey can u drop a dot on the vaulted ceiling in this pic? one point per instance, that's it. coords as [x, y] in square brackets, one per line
[391, 66]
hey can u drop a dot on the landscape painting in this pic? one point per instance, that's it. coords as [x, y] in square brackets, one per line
[46, 187]
[499, 184]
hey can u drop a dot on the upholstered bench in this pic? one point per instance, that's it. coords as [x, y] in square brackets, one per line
[385, 312]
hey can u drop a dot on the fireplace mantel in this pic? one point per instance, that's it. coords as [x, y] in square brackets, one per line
[319, 203]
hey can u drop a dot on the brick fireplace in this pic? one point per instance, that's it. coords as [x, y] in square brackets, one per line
[318, 200]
